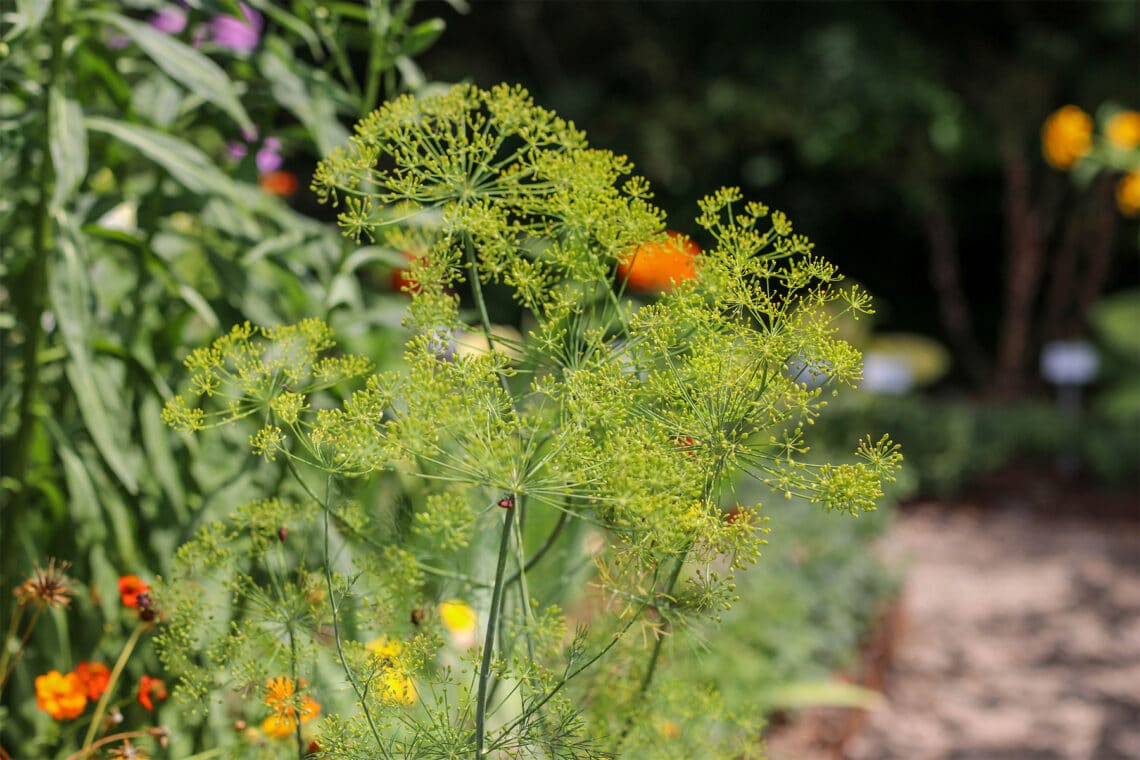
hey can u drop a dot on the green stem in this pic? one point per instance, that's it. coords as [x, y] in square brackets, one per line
[6, 665]
[658, 644]
[489, 636]
[360, 694]
[532, 560]
[481, 305]
[117, 671]
[32, 294]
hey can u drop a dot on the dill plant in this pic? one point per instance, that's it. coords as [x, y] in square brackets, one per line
[603, 447]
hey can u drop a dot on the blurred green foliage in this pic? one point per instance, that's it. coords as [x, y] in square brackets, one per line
[129, 234]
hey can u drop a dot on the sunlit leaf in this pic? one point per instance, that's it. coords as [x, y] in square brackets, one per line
[67, 140]
[185, 65]
[422, 36]
[71, 302]
[307, 98]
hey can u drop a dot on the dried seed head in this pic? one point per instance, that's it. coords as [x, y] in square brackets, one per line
[49, 587]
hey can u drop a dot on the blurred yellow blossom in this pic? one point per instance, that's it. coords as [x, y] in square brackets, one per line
[396, 685]
[457, 617]
[1123, 130]
[385, 648]
[1128, 194]
[1066, 136]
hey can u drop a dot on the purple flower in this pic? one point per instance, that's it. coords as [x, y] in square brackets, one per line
[236, 150]
[268, 159]
[170, 20]
[240, 35]
[118, 41]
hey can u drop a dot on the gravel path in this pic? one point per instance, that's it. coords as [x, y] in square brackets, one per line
[1019, 640]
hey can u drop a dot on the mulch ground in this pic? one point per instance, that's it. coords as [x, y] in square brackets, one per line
[1016, 636]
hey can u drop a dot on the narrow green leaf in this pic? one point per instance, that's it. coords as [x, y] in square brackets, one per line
[71, 303]
[184, 64]
[28, 17]
[157, 440]
[422, 36]
[801, 694]
[84, 503]
[302, 94]
[186, 164]
[291, 23]
[198, 303]
[67, 142]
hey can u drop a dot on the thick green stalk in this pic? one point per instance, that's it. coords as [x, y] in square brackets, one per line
[32, 294]
[489, 636]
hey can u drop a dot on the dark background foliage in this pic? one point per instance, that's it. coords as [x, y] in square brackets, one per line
[902, 137]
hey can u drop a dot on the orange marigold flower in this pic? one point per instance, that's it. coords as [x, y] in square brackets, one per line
[279, 696]
[278, 183]
[1066, 137]
[60, 696]
[130, 586]
[1123, 130]
[151, 689]
[94, 676]
[660, 266]
[1128, 194]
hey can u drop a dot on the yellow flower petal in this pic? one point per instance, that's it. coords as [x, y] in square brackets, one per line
[1123, 130]
[457, 617]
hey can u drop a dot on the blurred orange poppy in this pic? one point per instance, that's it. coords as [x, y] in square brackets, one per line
[661, 265]
[278, 183]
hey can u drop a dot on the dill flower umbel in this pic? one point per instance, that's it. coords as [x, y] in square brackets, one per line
[1066, 137]
[1123, 130]
[63, 697]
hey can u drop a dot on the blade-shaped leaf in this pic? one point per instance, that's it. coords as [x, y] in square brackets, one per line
[70, 296]
[422, 36]
[184, 65]
[28, 16]
[185, 163]
[308, 101]
[67, 141]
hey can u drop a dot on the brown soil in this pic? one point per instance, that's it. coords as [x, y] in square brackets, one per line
[1016, 636]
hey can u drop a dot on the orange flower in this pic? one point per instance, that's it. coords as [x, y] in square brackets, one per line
[278, 183]
[1066, 137]
[94, 676]
[60, 696]
[279, 696]
[1128, 194]
[660, 266]
[130, 586]
[279, 726]
[151, 689]
[1123, 130]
